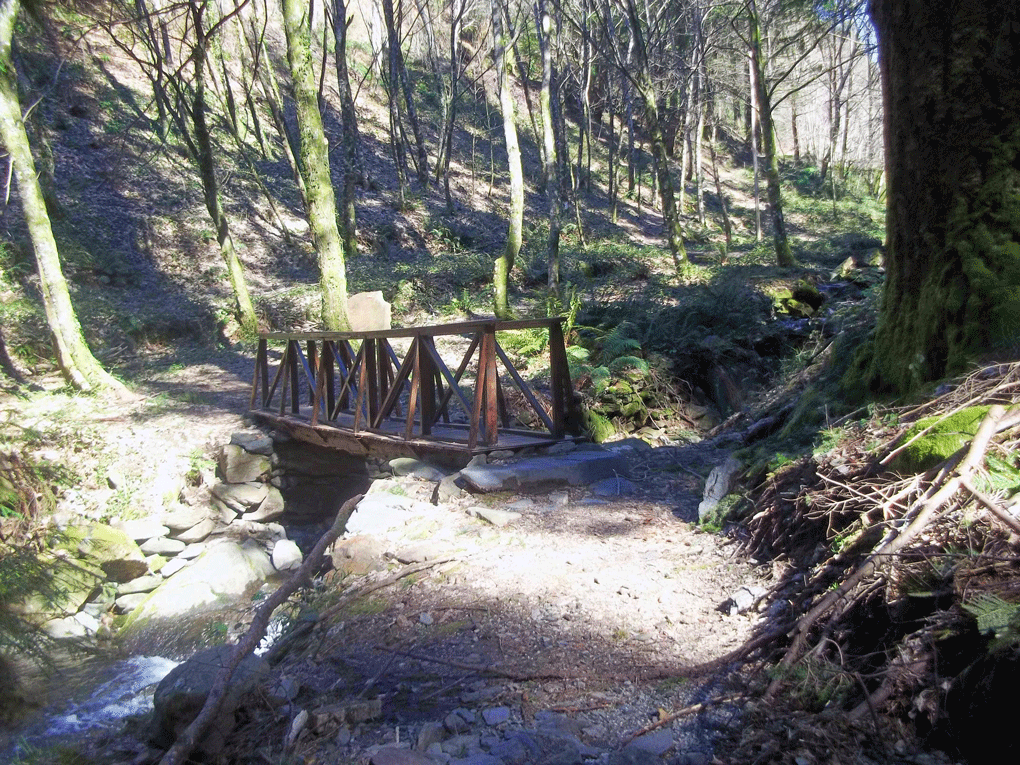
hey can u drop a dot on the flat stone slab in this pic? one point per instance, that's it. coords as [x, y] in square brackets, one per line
[578, 468]
[494, 516]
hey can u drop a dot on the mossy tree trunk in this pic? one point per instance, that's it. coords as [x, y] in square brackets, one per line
[952, 111]
[515, 233]
[784, 256]
[322, 210]
[76, 361]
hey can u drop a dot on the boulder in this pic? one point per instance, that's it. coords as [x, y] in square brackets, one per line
[113, 551]
[239, 466]
[184, 517]
[416, 469]
[141, 584]
[368, 311]
[179, 697]
[226, 570]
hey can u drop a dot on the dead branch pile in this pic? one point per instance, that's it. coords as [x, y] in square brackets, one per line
[881, 569]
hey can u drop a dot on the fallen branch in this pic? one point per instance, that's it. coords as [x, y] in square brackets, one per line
[481, 669]
[690, 709]
[926, 511]
[178, 753]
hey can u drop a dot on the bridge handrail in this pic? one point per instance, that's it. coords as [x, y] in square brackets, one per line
[434, 330]
[367, 385]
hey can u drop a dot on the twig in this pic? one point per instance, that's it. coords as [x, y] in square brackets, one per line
[186, 742]
[690, 709]
[991, 505]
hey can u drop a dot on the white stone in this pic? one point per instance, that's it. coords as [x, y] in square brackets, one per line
[286, 555]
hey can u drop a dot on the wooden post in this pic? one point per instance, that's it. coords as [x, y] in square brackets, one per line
[328, 362]
[313, 365]
[559, 371]
[488, 356]
[427, 375]
[295, 392]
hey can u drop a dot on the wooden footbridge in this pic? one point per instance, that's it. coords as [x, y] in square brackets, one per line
[352, 391]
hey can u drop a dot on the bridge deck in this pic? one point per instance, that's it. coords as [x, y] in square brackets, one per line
[351, 391]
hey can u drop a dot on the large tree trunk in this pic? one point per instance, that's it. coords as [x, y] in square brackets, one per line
[322, 212]
[784, 256]
[76, 361]
[515, 233]
[952, 110]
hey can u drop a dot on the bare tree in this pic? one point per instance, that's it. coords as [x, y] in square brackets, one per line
[76, 361]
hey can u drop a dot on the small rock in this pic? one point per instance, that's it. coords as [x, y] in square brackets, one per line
[173, 567]
[658, 742]
[115, 479]
[253, 443]
[496, 715]
[241, 497]
[613, 487]
[141, 584]
[127, 603]
[197, 533]
[559, 499]
[426, 619]
[286, 555]
[142, 528]
[192, 551]
[163, 546]
[297, 726]
[430, 733]
[394, 755]
[563, 447]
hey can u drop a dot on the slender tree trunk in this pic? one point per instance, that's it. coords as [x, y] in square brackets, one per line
[353, 167]
[784, 256]
[660, 154]
[544, 25]
[752, 142]
[457, 8]
[398, 73]
[322, 212]
[76, 361]
[515, 234]
[207, 171]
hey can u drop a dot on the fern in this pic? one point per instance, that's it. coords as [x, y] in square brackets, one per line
[997, 617]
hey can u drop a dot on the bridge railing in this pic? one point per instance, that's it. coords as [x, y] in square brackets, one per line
[357, 382]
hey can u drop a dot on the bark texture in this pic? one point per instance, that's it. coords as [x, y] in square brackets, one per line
[952, 110]
[322, 211]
